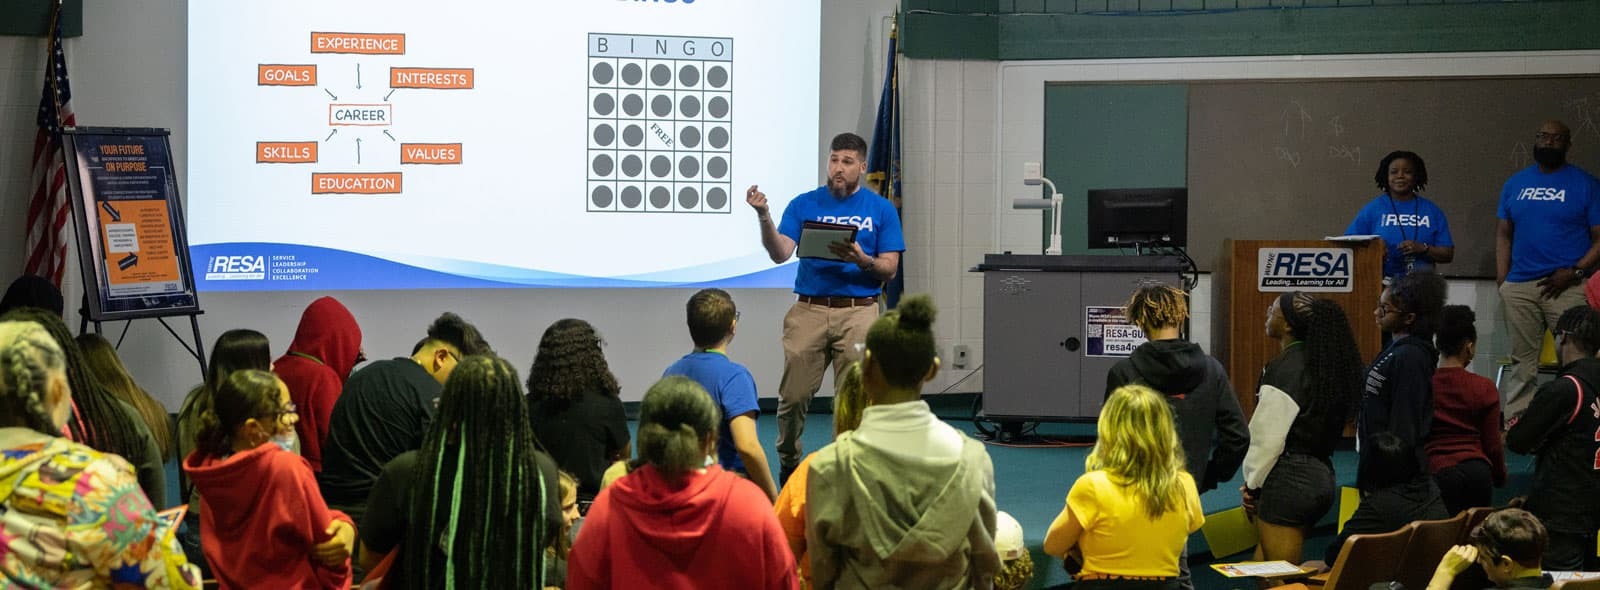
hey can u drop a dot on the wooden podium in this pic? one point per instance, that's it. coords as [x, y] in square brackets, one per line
[1239, 301]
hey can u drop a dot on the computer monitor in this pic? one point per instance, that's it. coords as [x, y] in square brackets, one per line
[1138, 216]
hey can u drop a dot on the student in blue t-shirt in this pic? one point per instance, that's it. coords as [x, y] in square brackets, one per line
[1412, 227]
[1547, 241]
[712, 322]
[838, 296]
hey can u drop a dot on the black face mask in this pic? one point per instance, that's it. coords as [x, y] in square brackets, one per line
[1550, 157]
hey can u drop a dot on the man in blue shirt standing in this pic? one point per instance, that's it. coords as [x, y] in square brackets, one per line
[838, 296]
[712, 322]
[1547, 242]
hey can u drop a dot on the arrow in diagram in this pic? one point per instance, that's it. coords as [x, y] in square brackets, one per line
[391, 137]
[358, 76]
[330, 135]
[358, 150]
[112, 211]
[330, 93]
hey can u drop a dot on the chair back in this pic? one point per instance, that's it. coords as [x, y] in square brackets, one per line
[1590, 583]
[1369, 559]
[1430, 540]
[1475, 516]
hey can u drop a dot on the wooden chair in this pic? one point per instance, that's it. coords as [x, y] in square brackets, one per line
[1475, 517]
[1430, 540]
[1365, 560]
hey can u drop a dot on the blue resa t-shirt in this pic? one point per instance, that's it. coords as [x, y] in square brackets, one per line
[731, 386]
[877, 230]
[1550, 217]
[1397, 221]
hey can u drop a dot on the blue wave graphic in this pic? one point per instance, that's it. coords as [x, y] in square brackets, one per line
[261, 266]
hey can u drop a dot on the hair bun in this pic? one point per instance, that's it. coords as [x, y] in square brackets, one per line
[916, 312]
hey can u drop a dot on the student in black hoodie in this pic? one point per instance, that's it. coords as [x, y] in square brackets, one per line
[1398, 394]
[1210, 425]
[1562, 428]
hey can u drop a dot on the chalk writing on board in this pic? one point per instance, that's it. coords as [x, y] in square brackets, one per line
[1293, 113]
[1336, 126]
[1287, 155]
[1585, 113]
[1520, 156]
[1345, 152]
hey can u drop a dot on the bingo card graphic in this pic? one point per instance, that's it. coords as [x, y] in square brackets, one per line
[660, 124]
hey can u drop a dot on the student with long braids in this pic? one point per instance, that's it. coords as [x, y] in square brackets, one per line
[478, 505]
[100, 358]
[679, 520]
[1306, 394]
[99, 419]
[264, 523]
[1131, 512]
[73, 517]
[1398, 393]
[905, 499]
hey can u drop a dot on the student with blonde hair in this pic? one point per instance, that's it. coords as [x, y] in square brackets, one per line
[1131, 513]
[849, 399]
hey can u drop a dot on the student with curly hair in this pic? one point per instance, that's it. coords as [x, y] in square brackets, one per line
[1398, 393]
[1466, 453]
[1305, 395]
[574, 406]
[1131, 512]
[76, 517]
[264, 523]
[904, 500]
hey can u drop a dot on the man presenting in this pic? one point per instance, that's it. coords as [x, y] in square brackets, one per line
[838, 299]
[1547, 242]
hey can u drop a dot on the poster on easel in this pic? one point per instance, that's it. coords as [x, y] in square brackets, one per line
[129, 223]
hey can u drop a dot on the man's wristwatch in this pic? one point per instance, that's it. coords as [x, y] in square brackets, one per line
[1578, 271]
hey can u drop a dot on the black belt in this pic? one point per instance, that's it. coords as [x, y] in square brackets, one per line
[840, 301]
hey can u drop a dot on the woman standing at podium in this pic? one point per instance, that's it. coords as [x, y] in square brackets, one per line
[1414, 229]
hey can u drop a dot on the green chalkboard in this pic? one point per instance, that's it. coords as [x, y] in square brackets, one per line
[31, 18]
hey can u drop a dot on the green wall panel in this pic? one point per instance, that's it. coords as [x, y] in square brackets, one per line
[32, 17]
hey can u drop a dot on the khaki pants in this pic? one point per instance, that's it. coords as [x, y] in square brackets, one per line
[813, 337]
[1528, 316]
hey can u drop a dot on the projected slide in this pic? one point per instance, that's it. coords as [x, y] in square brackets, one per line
[408, 145]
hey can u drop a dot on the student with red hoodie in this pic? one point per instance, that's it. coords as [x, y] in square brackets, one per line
[326, 347]
[675, 521]
[263, 523]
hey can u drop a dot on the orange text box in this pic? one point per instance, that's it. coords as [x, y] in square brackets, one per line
[435, 78]
[355, 183]
[430, 153]
[363, 43]
[138, 242]
[286, 152]
[361, 115]
[286, 75]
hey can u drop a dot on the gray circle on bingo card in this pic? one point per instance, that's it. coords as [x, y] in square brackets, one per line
[717, 167]
[601, 197]
[632, 74]
[689, 106]
[688, 166]
[716, 198]
[633, 135]
[660, 75]
[661, 105]
[604, 134]
[688, 197]
[660, 166]
[632, 165]
[717, 76]
[689, 136]
[660, 197]
[602, 73]
[632, 196]
[717, 107]
[632, 105]
[718, 136]
[603, 165]
[688, 75]
[604, 103]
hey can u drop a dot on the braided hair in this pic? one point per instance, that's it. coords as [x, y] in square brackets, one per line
[1580, 325]
[1157, 306]
[29, 358]
[478, 501]
[98, 420]
[100, 359]
[901, 341]
[1420, 293]
[1420, 170]
[1333, 362]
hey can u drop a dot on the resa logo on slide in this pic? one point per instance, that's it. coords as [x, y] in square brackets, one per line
[236, 268]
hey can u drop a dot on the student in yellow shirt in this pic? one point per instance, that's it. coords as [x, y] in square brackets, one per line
[1132, 511]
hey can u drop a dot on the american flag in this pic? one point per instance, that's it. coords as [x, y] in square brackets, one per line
[49, 209]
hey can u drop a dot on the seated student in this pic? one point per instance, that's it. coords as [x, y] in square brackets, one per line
[385, 410]
[100, 358]
[263, 521]
[1509, 546]
[1465, 451]
[849, 399]
[478, 504]
[1210, 424]
[1559, 427]
[904, 500]
[326, 347]
[713, 319]
[74, 517]
[573, 405]
[677, 521]
[1400, 491]
[1131, 512]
